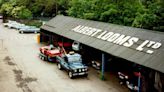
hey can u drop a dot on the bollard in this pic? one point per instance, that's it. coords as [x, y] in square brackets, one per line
[38, 38]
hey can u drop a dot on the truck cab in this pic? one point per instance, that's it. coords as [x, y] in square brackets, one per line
[72, 63]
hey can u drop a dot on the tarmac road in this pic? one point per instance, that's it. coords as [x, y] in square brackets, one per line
[22, 71]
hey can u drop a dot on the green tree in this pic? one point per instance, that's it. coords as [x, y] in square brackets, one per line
[6, 9]
[149, 15]
[62, 6]
[137, 13]
[50, 8]
[21, 12]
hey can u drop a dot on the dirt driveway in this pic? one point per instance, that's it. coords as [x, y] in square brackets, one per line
[22, 71]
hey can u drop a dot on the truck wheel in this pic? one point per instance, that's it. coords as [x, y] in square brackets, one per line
[59, 66]
[70, 74]
[43, 58]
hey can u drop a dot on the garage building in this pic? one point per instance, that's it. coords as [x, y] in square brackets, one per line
[114, 45]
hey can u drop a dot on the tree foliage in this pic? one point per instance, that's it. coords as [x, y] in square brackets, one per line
[137, 13]
[21, 12]
[146, 14]
[6, 9]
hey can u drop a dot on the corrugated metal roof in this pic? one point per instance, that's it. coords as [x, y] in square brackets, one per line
[63, 25]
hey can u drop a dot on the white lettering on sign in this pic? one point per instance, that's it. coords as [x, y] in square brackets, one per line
[100, 36]
[76, 29]
[96, 31]
[118, 38]
[150, 43]
[122, 39]
[156, 45]
[113, 37]
[131, 41]
[86, 30]
[106, 36]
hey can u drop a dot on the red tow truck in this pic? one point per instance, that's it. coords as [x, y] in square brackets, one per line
[49, 53]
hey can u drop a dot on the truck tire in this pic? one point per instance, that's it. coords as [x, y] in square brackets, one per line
[59, 66]
[43, 58]
[70, 74]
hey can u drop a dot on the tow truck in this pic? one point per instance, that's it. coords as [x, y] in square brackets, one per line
[72, 63]
[49, 53]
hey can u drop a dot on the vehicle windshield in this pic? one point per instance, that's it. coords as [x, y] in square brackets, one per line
[74, 58]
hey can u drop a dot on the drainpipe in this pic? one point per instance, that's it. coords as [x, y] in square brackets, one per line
[103, 67]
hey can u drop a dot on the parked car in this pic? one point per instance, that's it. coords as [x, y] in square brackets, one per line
[76, 46]
[96, 64]
[130, 80]
[19, 26]
[29, 29]
[5, 24]
[13, 24]
[10, 23]
[72, 63]
[129, 76]
[49, 53]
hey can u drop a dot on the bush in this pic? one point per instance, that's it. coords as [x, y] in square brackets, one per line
[36, 23]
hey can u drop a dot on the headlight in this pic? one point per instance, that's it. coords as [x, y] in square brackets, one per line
[126, 77]
[75, 70]
[127, 82]
[83, 69]
[79, 70]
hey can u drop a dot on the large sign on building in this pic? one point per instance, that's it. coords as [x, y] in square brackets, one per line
[119, 39]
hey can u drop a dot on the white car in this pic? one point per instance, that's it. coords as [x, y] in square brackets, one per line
[11, 24]
[76, 46]
[1, 17]
[29, 29]
[18, 26]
